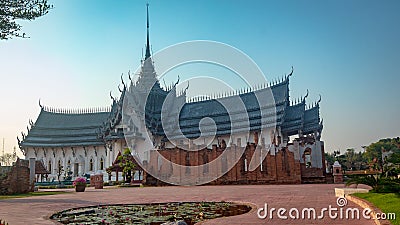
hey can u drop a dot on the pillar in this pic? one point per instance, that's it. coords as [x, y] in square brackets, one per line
[32, 171]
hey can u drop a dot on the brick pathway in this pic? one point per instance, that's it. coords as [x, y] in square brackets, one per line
[36, 210]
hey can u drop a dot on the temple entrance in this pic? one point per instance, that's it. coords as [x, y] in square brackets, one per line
[76, 169]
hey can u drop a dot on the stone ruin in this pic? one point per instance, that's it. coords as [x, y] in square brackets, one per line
[15, 179]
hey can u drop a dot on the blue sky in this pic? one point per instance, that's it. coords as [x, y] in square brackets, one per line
[347, 51]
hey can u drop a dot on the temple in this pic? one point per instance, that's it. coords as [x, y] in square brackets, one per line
[87, 141]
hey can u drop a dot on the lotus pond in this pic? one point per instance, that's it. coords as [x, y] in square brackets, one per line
[152, 214]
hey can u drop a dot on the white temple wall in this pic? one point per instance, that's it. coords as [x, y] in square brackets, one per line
[316, 154]
[204, 141]
[295, 149]
[29, 153]
[239, 139]
[66, 154]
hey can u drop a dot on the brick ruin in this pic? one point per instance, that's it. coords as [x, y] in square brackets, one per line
[280, 167]
[15, 179]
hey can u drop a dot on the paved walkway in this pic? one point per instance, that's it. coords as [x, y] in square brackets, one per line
[36, 210]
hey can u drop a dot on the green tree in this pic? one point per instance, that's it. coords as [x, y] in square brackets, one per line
[350, 157]
[374, 152]
[13, 10]
[360, 162]
[127, 164]
[387, 181]
[330, 158]
[394, 157]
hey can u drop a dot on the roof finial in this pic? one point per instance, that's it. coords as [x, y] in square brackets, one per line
[112, 98]
[122, 80]
[184, 91]
[291, 73]
[319, 100]
[148, 41]
[177, 81]
[304, 98]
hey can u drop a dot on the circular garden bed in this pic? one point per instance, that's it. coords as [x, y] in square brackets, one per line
[152, 214]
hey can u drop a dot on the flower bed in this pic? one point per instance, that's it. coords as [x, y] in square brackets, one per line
[154, 214]
[79, 181]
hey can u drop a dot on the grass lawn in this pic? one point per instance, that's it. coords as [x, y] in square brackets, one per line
[40, 193]
[387, 202]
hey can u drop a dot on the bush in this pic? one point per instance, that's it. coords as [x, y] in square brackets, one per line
[379, 182]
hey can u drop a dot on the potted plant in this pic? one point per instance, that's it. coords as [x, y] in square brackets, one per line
[79, 184]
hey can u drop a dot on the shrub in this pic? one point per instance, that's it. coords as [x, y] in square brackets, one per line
[379, 182]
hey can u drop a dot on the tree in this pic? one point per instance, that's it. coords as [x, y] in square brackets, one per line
[12, 10]
[330, 158]
[388, 147]
[60, 171]
[7, 159]
[387, 181]
[109, 171]
[342, 159]
[127, 164]
[360, 162]
[350, 157]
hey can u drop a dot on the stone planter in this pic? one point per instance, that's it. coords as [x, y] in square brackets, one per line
[80, 188]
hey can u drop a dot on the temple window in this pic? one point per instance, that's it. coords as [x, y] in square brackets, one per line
[49, 166]
[264, 164]
[256, 138]
[59, 164]
[239, 142]
[187, 163]
[205, 163]
[307, 157]
[222, 144]
[245, 165]
[224, 162]
[91, 165]
[102, 164]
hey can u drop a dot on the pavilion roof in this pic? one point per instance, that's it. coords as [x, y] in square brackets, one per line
[116, 162]
[39, 168]
[59, 129]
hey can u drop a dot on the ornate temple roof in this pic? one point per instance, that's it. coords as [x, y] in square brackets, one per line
[192, 113]
[56, 128]
[312, 120]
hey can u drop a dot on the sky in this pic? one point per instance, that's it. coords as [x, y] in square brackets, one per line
[346, 51]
